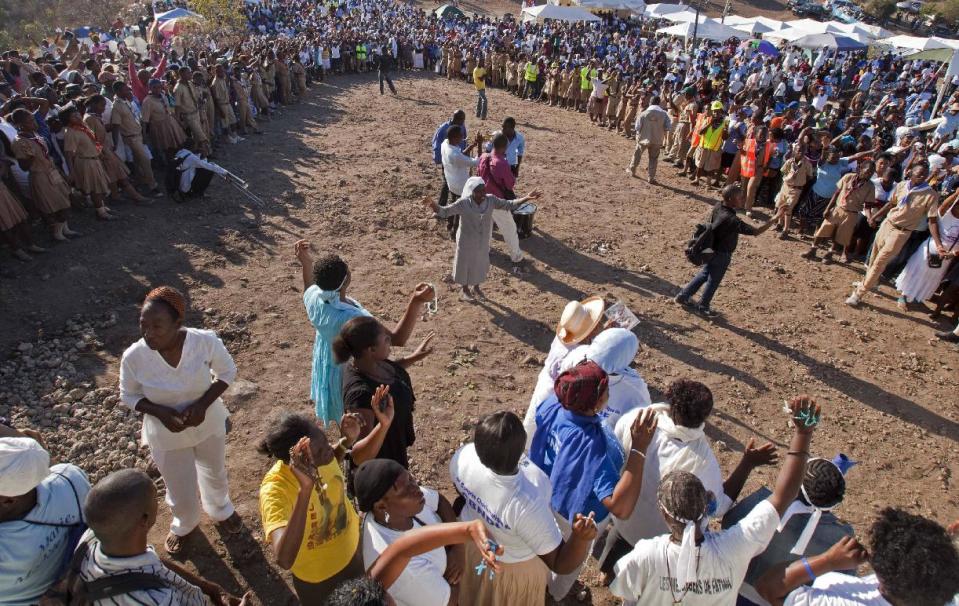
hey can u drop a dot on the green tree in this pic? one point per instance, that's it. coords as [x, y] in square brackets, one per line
[221, 15]
[882, 10]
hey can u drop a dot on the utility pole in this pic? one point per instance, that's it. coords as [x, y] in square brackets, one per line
[726, 10]
[699, 5]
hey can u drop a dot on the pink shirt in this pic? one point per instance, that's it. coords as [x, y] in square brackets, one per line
[141, 90]
[496, 173]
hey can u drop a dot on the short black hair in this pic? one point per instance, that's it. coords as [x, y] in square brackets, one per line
[509, 121]
[913, 558]
[690, 402]
[329, 272]
[500, 440]
[362, 591]
[284, 433]
[500, 141]
[454, 131]
[823, 483]
[116, 504]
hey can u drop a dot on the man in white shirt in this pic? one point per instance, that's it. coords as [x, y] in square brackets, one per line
[456, 167]
[120, 510]
[512, 496]
[913, 559]
[39, 507]
[694, 568]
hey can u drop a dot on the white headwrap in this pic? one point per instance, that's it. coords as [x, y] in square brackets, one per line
[686, 568]
[471, 184]
[815, 514]
[23, 465]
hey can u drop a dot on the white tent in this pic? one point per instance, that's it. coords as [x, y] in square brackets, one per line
[789, 34]
[560, 13]
[636, 6]
[709, 29]
[919, 43]
[828, 40]
[873, 31]
[772, 25]
[686, 16]
[658, 10]
[751, 28]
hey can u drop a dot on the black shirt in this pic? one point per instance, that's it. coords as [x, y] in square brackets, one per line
[726, 228]
[358, 392]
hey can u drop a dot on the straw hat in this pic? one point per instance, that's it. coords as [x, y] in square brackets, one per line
[579, 319]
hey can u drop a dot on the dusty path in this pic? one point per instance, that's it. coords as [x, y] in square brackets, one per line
[346, 167]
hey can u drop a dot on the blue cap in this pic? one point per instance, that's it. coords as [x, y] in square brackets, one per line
[843, 463]
[792, 105]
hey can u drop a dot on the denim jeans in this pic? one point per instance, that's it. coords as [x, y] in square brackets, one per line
[711, 275]
[481, 104]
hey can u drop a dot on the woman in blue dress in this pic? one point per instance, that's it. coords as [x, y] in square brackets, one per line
[329, 308]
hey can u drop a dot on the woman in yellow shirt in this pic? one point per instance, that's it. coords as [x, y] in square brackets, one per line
[306, 513]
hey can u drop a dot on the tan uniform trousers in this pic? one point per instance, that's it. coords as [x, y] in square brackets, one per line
[200, 141]
[840, 225]
[679, 142]
[889, 241]
[652, 153]
[788, 196]
[141, 160]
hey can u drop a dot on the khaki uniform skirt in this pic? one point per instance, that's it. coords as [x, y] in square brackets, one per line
[11, 211]
[521, 583]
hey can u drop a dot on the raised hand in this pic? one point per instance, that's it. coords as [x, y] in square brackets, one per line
[584, 527]
[382, 404]
[351, 426]
[764, 455]
[805, 413]
[302, 465]
[643, 429]
[301, 250]
[423, 291]
[424, 348]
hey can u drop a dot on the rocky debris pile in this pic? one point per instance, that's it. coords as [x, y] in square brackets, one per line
[42, 388]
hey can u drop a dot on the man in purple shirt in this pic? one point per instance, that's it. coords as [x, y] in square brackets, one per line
[495, 170]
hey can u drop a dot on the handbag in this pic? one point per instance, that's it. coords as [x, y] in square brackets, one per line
[935, 261]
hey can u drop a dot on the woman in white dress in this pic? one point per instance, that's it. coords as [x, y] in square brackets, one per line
[918, 281]
[175, 376]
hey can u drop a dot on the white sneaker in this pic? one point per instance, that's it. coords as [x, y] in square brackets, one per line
[239, 138]
[853, 300]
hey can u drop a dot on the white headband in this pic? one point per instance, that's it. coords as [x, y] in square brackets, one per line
[686, 568]
[798, 507]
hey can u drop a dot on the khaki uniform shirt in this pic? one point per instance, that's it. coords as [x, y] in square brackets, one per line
[908, 216]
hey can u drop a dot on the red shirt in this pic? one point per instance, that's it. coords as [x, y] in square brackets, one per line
[496, 174]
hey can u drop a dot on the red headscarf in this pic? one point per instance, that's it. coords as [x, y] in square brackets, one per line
[578, 389]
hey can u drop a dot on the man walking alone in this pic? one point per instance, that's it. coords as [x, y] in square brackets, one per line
[651, 128]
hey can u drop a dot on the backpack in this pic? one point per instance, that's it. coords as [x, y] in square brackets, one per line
[699, 248]
[72, 590]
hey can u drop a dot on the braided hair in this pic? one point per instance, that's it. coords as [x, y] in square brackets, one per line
[823, 484]
[683, 496]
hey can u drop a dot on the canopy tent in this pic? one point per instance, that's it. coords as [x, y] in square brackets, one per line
[177, 13]
[919, 43]
[709, 29]
[789, 34]
[659, 10]
[172, 27]
[559, 13]
[773, 25]
[873, 31]
[944, 55]
[636, 6]
[832, 41]
[448, 11]
[751, 28]
[684, 17]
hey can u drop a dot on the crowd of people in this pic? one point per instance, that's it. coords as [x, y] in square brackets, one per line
[852, 150]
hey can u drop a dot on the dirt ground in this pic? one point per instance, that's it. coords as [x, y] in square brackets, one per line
[346, 168]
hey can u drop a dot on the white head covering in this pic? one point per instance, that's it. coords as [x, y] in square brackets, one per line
[686, 566]
[815, 514]
[613, 350]
[23, 465]
[471, 184]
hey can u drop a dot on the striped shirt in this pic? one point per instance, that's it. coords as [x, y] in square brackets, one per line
[176, 592]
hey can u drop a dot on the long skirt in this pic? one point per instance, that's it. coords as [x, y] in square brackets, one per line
[918, 281]
[116, 170]
[11, 211]
[166, 134]
[518, 583]
[49, 192]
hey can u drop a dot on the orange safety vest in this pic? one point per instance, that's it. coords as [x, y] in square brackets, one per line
[747, 159]
[701, 120]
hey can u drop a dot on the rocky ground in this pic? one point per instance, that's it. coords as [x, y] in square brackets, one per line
[346, 168]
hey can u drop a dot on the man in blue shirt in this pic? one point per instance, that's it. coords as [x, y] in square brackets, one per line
[459, 119]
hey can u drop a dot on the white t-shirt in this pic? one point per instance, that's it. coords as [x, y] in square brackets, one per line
[177, 590]
[837, 589]
[422, 582]
[31, 553]
[145, 374]
[456, 166]
[642, 575]
[515, 508]
[674, 448]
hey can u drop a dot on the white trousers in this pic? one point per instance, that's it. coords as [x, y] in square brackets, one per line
[560, 584]
[507, 227]
[185, 469]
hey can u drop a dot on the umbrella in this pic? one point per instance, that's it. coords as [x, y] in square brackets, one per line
[766, 47]
[448, 11]
[833, 41]
[177, 13]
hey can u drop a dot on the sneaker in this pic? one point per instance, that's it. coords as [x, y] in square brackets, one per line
[706, 311]
[678, 299]
[949, 337]
[827, 258]
[809, 254]
[853, 300]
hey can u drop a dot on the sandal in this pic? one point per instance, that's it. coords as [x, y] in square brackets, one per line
[174, 544]
[232, 524]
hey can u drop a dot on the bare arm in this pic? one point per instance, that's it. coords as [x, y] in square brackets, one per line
[378, 421]
[624, 497]
[780, 580]
[791, 474]
[752, 458]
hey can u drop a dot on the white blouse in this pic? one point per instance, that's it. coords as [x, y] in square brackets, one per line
[145, 374]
